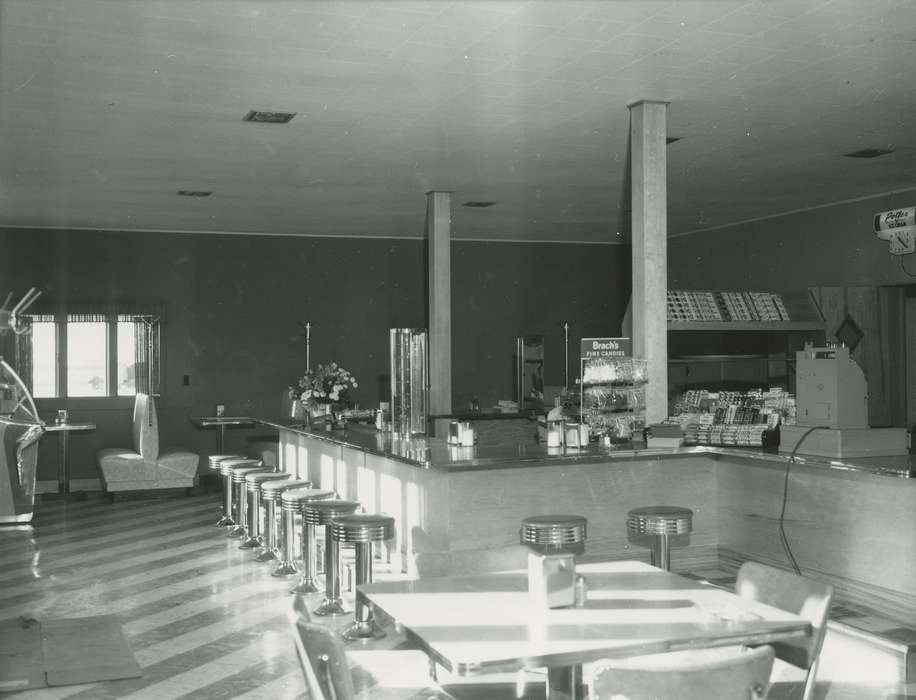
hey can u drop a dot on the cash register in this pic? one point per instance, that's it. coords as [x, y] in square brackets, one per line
[832, 395]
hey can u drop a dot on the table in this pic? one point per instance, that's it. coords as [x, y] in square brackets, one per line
[221, 423]
[63, 431]
[485, 623]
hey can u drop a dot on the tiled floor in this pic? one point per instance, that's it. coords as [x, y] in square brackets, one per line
[205, 620]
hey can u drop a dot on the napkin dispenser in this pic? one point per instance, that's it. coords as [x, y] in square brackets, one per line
[552, 580]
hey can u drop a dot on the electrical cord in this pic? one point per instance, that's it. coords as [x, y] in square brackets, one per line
[785, 499]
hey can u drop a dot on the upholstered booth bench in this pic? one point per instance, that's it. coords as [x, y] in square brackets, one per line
[146, 467]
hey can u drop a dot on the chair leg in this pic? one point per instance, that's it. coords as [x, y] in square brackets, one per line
[810, 681]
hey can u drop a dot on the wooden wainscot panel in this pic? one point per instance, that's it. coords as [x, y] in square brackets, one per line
[417, 498]
[487, 506]
[855, 530]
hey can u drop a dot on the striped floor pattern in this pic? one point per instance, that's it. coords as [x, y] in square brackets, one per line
[202, 618]
[205, 620]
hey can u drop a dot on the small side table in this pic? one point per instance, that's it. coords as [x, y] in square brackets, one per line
[221, 423]
[63, 431]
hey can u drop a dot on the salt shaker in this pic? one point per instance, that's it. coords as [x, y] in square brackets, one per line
[581, 591]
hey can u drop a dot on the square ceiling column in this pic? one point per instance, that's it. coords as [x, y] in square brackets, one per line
[438, 232]
[648, 131]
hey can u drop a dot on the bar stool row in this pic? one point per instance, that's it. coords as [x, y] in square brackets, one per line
[247, 484]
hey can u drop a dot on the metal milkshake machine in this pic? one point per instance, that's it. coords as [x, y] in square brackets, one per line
[409, 382]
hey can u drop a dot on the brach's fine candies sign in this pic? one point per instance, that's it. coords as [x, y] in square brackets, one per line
[596, 348]
[895, 218]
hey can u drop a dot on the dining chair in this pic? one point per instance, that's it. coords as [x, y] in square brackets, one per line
[707, 674]
[796, 594]
[323, 658]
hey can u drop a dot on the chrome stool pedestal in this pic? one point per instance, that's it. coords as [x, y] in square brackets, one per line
[660, 528]
[292, 501]
[214, 462]
[362, 529]
[554, 534]
[322, 513]
[241, 498]
[253, 483]
[227, 468]
[270, 497]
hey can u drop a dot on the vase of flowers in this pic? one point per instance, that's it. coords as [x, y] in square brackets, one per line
[324, 389]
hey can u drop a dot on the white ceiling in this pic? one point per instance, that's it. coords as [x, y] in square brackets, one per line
[109, 107]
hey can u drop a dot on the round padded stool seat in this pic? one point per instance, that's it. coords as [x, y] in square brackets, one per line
[239, 474]
[214, 460]
[362, 527]
[271, 491]
[552, 534]
[255, 480]
[235, 494]
[660, 528]
[227, 465]
[295, 500]
[323, 512]
[292, 500]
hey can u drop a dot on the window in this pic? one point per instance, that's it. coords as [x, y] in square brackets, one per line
[87, 358]
[70, 355]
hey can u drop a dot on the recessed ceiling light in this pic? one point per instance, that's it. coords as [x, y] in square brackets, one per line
[269, 117]
[672, 139]
[479, 205]
[193, 193]
[869, 153]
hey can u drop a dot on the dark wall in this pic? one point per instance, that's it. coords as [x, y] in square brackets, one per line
[832, 246]
[235, 304]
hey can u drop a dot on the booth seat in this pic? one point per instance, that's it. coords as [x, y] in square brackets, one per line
[146, 466]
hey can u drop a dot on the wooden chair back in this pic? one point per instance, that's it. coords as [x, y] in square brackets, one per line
[713, 674]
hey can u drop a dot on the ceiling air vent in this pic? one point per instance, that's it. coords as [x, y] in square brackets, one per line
[869, 153]
[672, 139]
[269, 117]
[193, 193]
[478, 205]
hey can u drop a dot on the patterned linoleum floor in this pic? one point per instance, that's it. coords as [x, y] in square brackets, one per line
[205, 620]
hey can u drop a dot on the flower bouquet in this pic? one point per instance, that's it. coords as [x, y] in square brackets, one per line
[323, 388]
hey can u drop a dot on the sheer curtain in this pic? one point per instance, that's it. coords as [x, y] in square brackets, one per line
[147, 365]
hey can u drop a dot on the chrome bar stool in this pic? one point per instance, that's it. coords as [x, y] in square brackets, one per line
[253, 482]
[232, 502]
[214, 462]
[660, 528]
[362, 529]
[322, 513]
[291, 503]
[554, 534]
[241, 497]
[270, 497]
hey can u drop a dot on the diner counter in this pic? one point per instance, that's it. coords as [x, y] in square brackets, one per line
[435, 453]
[458, 510]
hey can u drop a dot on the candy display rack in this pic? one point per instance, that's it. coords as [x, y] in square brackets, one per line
[613, 397]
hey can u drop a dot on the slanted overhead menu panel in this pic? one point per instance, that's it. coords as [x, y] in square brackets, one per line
[704, 309]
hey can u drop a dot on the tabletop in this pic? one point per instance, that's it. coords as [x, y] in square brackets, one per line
[210, 421]
[68, 427]
[487, 623]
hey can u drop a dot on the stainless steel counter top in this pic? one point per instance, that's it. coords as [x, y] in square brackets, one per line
[435, 453]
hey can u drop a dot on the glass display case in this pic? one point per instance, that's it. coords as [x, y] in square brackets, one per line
[409, 382]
